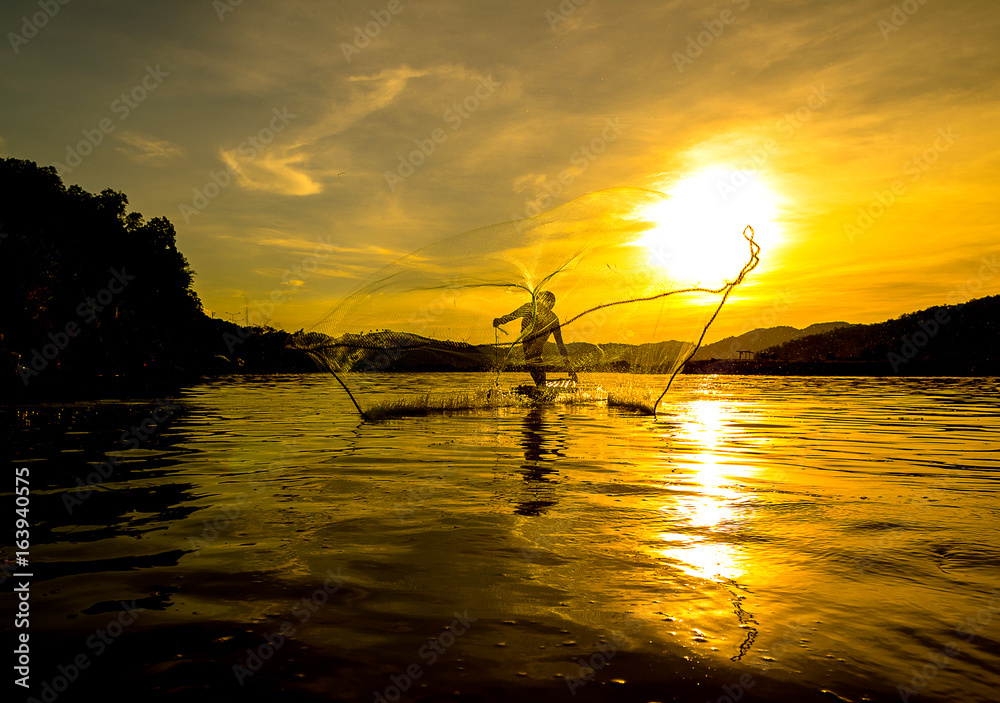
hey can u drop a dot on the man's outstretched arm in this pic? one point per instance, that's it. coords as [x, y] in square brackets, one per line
[520, 312]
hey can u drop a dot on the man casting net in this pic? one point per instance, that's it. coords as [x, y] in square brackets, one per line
[537, 323]
[633, 295]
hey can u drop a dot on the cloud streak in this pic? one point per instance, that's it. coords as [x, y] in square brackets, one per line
[144, 149]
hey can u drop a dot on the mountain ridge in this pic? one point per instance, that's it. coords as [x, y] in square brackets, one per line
[762, 338]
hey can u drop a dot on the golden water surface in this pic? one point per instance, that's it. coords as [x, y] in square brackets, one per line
[774, 538]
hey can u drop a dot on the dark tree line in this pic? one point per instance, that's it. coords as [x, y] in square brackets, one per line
[94, 296]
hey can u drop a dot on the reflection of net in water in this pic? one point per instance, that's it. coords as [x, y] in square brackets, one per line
[602, 283]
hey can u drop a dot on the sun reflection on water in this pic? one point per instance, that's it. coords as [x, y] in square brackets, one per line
[703, 508]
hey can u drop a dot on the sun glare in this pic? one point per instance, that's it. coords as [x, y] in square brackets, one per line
[705, 504]
[698, 232]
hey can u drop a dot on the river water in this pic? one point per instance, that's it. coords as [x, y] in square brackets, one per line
[784, 539]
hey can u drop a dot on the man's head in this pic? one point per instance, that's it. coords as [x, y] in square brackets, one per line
[547, 299]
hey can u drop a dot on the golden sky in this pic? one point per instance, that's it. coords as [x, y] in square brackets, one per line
[300, 146]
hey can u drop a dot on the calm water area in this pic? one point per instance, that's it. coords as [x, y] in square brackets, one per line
[762, 538]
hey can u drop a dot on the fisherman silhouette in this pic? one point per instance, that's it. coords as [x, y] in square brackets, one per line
[537, 323]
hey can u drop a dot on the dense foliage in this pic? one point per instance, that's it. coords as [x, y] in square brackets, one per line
[94, 294]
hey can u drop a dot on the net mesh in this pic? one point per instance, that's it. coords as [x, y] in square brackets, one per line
[609, 282]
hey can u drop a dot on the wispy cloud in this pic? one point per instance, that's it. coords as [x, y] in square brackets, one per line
[314, 155]
[273, 173]
[144, 149]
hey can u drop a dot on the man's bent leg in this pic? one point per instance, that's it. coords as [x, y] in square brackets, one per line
[537, 371]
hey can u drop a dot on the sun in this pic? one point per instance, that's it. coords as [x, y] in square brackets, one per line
[697, 233]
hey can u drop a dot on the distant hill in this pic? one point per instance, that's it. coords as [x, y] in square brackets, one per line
[949, 339]
[761, 339]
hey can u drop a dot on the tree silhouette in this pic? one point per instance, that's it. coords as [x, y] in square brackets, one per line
[72, 261]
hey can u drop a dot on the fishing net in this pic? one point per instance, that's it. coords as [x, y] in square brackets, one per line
[615, 282]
